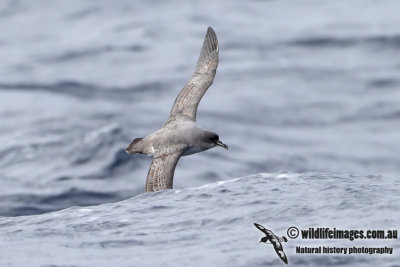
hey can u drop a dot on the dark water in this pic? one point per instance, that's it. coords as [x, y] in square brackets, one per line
[301, 86]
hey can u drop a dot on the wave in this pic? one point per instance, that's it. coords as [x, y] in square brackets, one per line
[379, 42]
[215, 220]
[87, 90]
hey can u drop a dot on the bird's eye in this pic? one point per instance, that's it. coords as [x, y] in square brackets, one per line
[214, 138]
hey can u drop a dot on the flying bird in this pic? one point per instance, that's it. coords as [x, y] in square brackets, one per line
[181, 135]
[274, 240]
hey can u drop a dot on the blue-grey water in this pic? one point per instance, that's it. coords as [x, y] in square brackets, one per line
[309, 87]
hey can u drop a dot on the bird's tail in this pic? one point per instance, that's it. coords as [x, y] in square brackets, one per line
[135, 147]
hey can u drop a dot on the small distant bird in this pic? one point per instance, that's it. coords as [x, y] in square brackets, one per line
[181, 136]
[274, 240]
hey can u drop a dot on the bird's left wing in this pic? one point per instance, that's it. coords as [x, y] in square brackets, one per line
[261, 228]
[189, 98]
[161, 172]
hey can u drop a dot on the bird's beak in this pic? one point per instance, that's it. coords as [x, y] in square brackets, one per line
[219, 143]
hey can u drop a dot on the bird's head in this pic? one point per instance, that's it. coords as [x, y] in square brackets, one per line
[213, 140]
[264, 239]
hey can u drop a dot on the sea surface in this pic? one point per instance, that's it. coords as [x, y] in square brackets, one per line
[307, 96]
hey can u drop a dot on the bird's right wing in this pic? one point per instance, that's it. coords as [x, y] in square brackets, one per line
[161, 172]
[280, 253]
[189, 98]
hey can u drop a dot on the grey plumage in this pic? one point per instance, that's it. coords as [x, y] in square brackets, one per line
[161, 170]
[180, 135]
[187, 101]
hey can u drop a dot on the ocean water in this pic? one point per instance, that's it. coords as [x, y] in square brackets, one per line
[308, 87]
[211, 225]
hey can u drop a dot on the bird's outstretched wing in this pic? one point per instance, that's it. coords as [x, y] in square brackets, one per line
[279, 250]
[189, 98]
[261, 228]
[161, 172]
